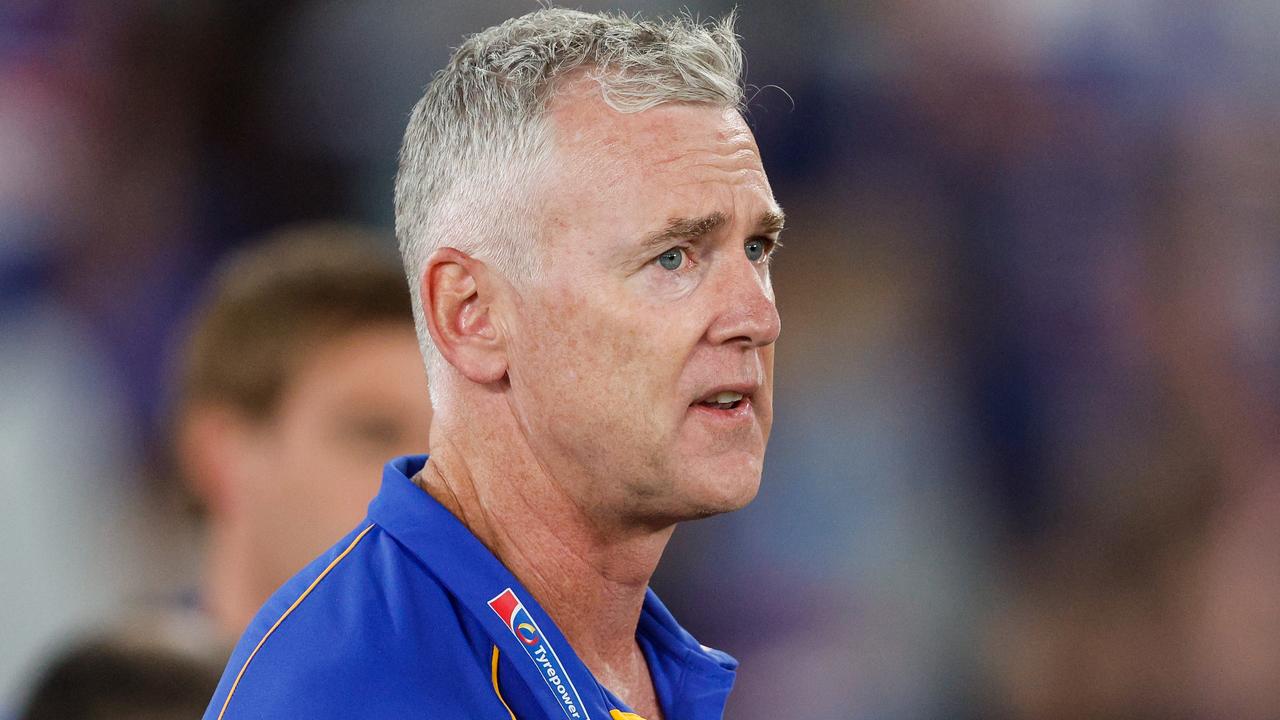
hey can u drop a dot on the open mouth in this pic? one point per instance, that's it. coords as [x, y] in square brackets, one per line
[726, 400]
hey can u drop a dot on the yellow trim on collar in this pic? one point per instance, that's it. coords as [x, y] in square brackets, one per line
[294, 606]
[497, 690]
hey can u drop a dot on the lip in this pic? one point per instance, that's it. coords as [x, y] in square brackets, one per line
[747, 390]
[744, 412]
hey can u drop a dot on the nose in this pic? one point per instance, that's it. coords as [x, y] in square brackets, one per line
[747, 311]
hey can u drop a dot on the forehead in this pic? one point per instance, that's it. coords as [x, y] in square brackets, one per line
[628, 172]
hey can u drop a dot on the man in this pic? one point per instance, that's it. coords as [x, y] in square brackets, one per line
[300, 376]
[586, 225]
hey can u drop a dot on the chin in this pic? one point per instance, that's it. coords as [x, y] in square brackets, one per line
[694, 485]
[716, 492]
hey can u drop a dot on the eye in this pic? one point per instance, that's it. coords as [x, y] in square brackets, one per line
[757, 248]
[672, 259]
[372, 429]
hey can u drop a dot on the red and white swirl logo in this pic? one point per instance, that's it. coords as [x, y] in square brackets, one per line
[522, 625]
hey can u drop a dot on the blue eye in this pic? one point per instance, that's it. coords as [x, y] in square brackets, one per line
[755, 249]
[671, 259]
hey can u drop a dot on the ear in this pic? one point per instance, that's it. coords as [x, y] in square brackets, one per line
[458, 298]
[213, 452]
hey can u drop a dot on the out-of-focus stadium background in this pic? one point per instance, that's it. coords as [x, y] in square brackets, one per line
[1024, 463]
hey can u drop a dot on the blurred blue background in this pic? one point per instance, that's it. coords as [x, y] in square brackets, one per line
[1024, 462]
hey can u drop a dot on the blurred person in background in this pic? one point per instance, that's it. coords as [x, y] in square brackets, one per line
[300, 376]
[300, 373]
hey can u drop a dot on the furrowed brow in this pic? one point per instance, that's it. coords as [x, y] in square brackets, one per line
[680, 229]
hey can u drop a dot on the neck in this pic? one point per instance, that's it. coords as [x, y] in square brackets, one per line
[590, 577]
[231, 594]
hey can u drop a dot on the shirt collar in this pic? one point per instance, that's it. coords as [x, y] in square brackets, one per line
[684, 671]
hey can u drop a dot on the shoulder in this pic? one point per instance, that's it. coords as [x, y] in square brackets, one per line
[364, 631]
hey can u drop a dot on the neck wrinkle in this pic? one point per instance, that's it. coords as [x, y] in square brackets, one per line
[590, 582]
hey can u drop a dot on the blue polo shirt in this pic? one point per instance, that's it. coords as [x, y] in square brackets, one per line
[411, 616]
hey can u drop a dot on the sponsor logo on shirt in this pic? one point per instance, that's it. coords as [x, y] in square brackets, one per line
[535, 644]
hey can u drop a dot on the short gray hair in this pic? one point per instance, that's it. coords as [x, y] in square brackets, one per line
[478, 138]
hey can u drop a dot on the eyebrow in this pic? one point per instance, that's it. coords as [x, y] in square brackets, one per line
[679, 229]
[682, 229]
[772, 222]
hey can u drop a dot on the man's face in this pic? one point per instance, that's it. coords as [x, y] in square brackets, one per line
[353, 403]
[654, 302]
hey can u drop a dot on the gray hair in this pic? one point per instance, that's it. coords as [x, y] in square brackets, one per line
[479, 138]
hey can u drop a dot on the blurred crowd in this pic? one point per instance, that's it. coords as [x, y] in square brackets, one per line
[1025, 460]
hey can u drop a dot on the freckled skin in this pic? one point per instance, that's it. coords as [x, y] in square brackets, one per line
[611, 349]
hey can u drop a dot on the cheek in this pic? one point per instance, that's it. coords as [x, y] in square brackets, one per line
[602, 365]
[764, 410]
[326, 484]
[310, 455]
[300, 457]
[625, 346]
